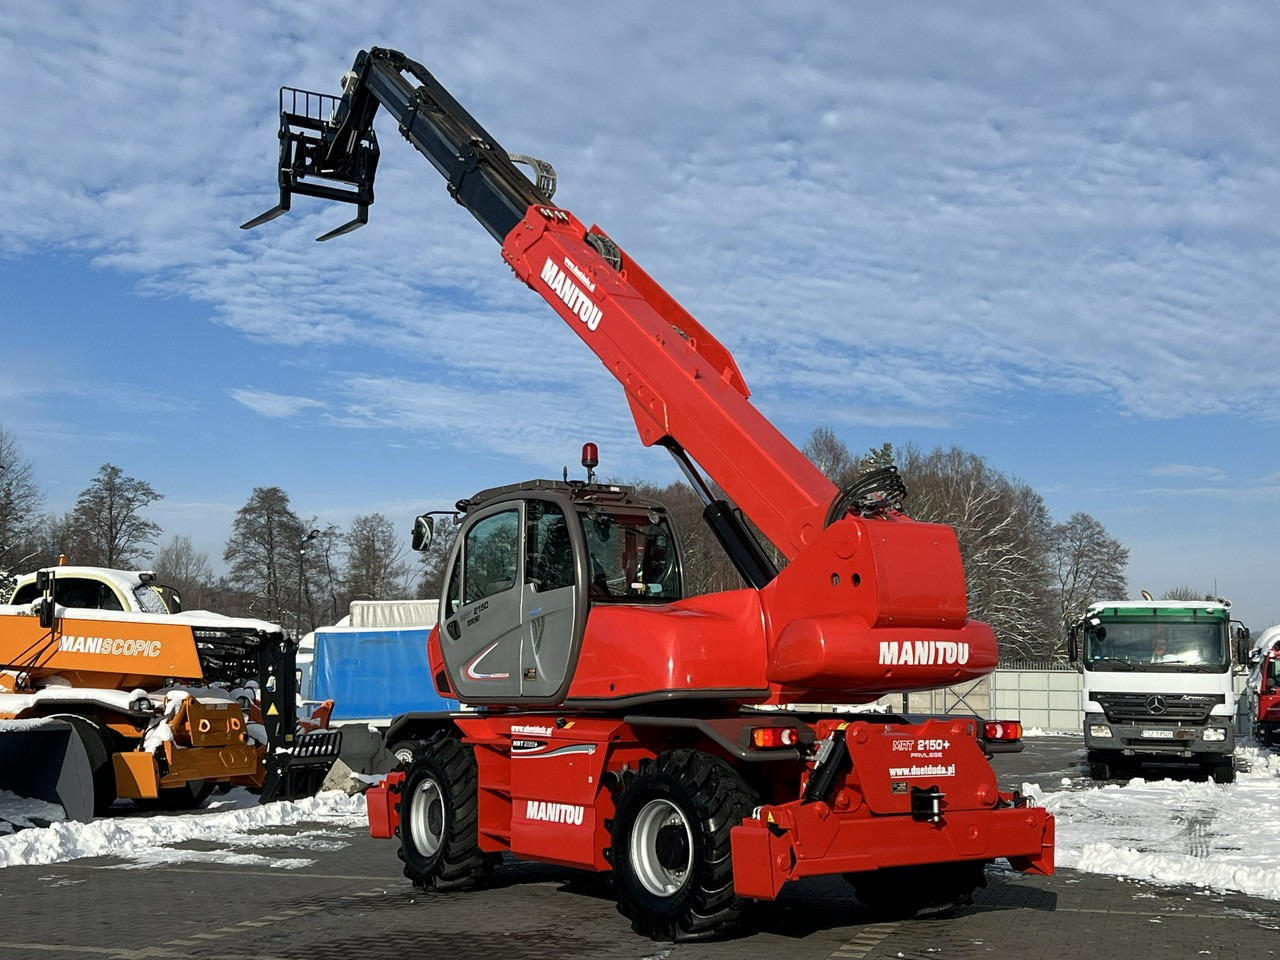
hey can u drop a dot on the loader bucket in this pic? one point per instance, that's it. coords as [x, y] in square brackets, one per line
[301, 769]
[46, 760]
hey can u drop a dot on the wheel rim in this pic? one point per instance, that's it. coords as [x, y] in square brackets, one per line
[427, 824]
[662, 848]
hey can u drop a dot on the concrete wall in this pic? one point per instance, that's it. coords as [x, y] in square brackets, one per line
[1041, 699]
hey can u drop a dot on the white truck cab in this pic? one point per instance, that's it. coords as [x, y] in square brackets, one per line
[1158, 685]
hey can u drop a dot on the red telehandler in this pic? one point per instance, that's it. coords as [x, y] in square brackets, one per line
[620, 725]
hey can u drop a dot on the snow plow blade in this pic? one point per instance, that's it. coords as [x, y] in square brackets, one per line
[46, 760]
[299, 770]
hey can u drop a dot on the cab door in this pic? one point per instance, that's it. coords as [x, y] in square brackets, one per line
[552, 610]
[510, 617]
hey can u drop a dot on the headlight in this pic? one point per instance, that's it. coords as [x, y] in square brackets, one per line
[1100, 731]
[141, 703]
[1216, 734]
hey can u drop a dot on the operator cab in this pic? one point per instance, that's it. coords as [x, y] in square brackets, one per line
[529, 562]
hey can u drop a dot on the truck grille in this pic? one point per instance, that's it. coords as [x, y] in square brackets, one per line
[1183, 707]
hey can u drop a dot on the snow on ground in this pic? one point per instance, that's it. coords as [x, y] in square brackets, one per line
[1219, 837]
[235, 822]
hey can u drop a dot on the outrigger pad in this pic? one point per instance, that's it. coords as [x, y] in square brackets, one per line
[46, 760]
[299, 771]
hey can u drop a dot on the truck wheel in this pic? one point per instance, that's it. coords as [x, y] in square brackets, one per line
[1100, 768]
[928, 890]
[1224, 771]
[438, 819]
[671, 855]
[98, 746]
[192, 795]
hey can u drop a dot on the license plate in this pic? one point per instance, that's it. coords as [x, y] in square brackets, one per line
[1158, 734]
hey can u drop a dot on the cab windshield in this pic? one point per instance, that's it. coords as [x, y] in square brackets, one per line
[1163, 647]
[631, 557]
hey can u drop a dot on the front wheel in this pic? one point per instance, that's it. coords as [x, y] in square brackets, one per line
[439, 819]
[192, 795]
[671, 852]
[1224, 771]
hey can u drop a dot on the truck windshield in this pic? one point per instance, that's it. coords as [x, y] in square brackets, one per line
[1164, 647]
[631, 557]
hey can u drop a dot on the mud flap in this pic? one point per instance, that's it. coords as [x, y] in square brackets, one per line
[47, 760]
[300, 770]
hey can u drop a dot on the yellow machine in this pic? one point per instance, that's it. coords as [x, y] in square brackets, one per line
[165, 705]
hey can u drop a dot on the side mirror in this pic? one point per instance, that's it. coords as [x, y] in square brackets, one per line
[424, 529]
[44, 582]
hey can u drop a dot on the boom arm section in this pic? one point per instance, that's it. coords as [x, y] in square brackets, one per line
[683, 386]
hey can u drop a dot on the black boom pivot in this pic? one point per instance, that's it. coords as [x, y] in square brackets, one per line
[330, 138]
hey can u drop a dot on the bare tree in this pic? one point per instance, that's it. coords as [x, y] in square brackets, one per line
[831, 455]
[264, 554]
[323, 561]
[375, 560]
[1003, 527]
[433, 559]
[20, 504]
[1087, 565]
[180, 565]
[108, 528]
[1184, 592]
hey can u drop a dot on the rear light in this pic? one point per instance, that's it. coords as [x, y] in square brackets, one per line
[767, 738]
[1007, 731]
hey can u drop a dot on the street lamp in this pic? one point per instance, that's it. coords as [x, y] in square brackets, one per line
[302, 550]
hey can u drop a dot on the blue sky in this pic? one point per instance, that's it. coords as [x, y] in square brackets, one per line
[1043, 232]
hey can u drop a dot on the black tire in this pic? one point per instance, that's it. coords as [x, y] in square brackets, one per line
[192, 795]
[671, 856]
[1224, 771]
[439, 840]
[1099, 767]
[928, 890]
[98, 746]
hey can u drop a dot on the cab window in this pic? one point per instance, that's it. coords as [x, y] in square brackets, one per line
[549, 564]
[490, 556]
[77, 592]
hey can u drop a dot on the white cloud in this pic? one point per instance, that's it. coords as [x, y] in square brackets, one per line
[274, 405]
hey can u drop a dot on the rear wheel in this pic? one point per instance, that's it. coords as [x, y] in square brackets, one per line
[671, 854]
[927, 890]
[439, 819]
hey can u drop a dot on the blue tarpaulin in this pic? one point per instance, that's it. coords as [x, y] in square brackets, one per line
[375, 673]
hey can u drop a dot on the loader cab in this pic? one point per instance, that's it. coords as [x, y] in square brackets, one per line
[528, 564]
[101, 588]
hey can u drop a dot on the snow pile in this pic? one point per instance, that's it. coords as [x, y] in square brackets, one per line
[1221, 837]
[18, 812]
[238, 822]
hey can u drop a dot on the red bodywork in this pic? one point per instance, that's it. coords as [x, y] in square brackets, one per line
[1267, 721]
[864, 607]
[548, 785]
